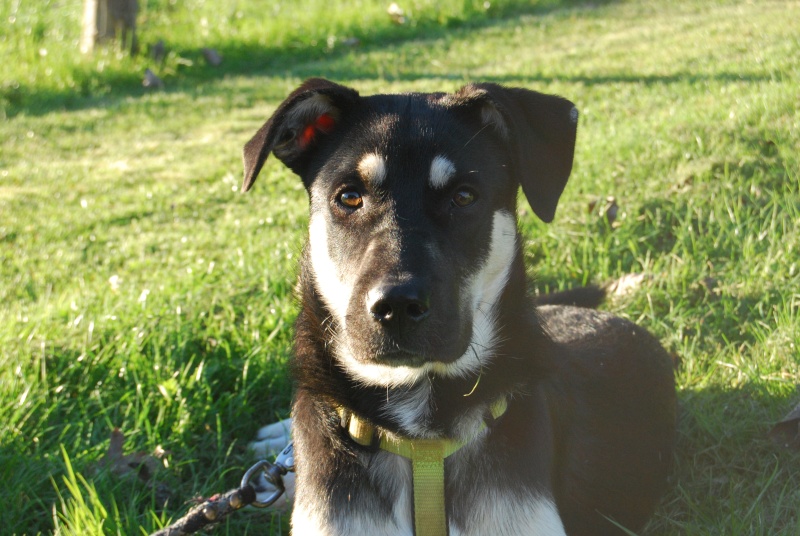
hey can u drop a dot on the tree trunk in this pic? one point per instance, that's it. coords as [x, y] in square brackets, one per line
[105, 19]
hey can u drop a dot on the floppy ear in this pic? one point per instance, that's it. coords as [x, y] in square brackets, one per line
[311, 111]
[538, 132]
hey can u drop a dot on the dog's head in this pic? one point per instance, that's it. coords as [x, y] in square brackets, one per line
[412, 232]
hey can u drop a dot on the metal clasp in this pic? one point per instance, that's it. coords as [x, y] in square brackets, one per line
[273, 473]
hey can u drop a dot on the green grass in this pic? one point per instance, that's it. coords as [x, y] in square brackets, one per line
[48, 73]
[139, 290]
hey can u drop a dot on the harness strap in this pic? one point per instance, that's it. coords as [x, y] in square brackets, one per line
[427, 465]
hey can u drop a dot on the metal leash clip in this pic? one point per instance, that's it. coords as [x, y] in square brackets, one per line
[273, 473]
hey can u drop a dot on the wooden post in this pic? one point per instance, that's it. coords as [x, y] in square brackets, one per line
[104, 19]
[89, 31]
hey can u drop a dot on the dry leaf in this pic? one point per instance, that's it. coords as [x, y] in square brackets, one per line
[787, 432]
[158, 51]
[141, 465]
[710, 284]
[151, 80]
[212, 57]
[611, 209]
[396, 13]
[607, 207]
[626, 284]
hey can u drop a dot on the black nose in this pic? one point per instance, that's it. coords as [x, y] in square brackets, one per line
[399, 305]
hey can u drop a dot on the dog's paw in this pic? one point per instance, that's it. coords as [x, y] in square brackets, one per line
[272, 439]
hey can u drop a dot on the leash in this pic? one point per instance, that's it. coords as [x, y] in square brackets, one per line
[219, 507]
[427, 465]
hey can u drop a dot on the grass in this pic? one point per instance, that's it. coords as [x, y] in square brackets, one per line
[140, 291]
[252, 37]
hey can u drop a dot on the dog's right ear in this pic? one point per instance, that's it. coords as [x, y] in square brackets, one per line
[538, 133]
[311, 111]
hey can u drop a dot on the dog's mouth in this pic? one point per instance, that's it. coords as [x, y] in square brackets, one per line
[383, 361]
[400, 357]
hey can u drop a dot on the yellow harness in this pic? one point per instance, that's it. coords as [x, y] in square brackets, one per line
[427, 466]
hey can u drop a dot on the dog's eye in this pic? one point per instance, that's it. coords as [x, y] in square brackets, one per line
[464, 197]
[350, 199]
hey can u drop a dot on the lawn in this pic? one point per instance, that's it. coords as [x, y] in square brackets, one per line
[141, 292]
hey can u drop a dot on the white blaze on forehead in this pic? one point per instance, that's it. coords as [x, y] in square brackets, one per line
[372, 169]
[442, 170]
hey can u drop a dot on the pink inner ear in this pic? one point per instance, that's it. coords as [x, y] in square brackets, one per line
[324, 123]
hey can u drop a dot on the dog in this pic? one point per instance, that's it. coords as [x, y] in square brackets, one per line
[415, 324]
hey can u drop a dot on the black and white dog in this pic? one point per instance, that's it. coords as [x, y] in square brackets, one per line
[415, 320]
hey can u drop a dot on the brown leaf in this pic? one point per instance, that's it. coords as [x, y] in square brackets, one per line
[158, 51]
[607, 208]
[396, 13]
[787, 432]
[114, 452]
[611, 210]
[139, 463]
[212, 57]
[151, 80]
[710, 284]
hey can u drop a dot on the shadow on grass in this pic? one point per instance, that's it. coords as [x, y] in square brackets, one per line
[728, 472]
[93, 89]
[228, 392]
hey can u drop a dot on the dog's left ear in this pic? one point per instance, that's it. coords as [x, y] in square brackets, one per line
[310, 112]
[538, 132]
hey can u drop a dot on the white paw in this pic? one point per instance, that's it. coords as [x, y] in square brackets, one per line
[271, 439]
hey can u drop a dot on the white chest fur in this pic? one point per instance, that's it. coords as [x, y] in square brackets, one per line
[495, 511]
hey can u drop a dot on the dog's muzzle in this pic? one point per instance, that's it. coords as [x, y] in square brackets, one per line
[403, 325]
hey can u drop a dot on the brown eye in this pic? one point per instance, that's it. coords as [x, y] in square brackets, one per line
[350, 199]
[464, 197]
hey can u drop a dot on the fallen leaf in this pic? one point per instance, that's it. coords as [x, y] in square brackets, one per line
[140, 465]
[611, 209]
[212, 57]
[151, 80]
[787, 432]
[158, 51]
[607, 207]
[626, 284]
[396, 13]
[710, 284]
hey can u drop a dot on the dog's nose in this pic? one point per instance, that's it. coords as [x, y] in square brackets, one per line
[399, 304]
